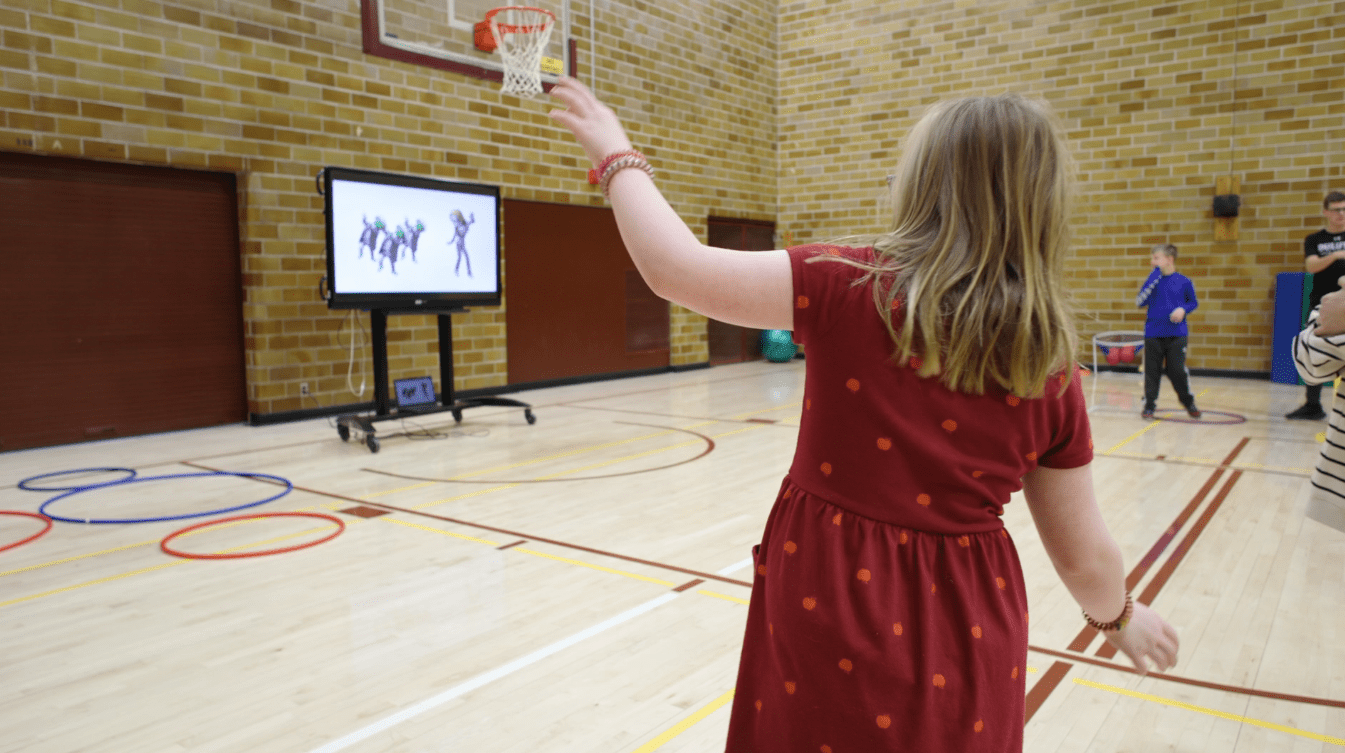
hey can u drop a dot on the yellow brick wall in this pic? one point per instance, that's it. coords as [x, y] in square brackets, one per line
[791, 111]
[1159, 100]
[273, 90]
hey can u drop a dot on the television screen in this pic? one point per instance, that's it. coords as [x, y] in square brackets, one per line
[407, 243]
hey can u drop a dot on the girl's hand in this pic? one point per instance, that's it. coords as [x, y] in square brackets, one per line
[1147, 637]
[592, 123]
[1331, 315]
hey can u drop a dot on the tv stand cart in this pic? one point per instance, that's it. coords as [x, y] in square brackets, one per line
[364, 423]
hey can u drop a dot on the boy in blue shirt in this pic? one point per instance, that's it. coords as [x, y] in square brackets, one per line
[1170, 297]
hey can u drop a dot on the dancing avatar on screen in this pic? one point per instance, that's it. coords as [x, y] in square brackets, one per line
[369, 238]
[389, 249]
[460, 238]
[413, 235]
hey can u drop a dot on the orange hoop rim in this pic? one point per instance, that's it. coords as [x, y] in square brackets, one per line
[514, 29]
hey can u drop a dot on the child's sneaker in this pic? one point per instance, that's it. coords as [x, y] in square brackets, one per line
[1193, 412]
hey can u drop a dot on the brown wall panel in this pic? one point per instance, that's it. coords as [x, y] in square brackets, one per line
[121, 298]
[566, 289]
[730, 343]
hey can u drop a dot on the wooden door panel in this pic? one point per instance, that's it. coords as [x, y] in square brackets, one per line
[123, 286]
[574, 304]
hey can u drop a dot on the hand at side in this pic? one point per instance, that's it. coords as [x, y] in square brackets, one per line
[1146, 638]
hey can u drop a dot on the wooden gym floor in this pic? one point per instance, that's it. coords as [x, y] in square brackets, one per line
[581, 584]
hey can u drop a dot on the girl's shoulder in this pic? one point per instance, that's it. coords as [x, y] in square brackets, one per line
[853, 253]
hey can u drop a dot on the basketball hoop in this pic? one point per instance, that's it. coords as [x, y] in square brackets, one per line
[520, 33]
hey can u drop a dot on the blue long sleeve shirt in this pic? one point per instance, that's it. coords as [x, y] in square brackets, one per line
[1163, 294]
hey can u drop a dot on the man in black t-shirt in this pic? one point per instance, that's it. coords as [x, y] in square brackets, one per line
[1324, 258]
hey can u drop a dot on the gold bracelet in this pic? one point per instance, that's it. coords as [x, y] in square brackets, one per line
[1116, 624]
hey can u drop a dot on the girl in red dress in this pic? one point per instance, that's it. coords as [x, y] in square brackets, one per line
[888, 611]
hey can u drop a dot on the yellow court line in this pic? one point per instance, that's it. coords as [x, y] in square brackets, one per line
[107, 579]
[567, 472]
[559, 455]
[409, 524]
[465, 495]
[1133, 437]
[1211, 462]
[152, 568]
[788, 406]
[421, 485]
[685, 724]
[1137, 434]
[325, 505]
[75, 558]
[1211, 712]
[725, 597]
[594, 567]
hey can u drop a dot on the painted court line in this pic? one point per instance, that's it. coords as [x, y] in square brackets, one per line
[486, 678]
[1211, 712]
[685, 724]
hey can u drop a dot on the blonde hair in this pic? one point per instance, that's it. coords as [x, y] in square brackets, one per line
[975, 258]
[1166, 249]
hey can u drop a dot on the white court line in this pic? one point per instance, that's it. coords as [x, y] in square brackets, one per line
[491, 676]
[735, 567]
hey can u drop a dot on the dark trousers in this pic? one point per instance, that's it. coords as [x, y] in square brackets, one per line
[1314, 395]
[1166, 355]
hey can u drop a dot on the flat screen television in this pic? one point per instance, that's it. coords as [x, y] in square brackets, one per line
[406, 243]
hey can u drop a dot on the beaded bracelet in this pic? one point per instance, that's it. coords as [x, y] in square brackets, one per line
[595, 175]
[1116, 624]
[637, 161]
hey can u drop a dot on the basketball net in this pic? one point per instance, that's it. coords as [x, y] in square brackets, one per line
[520, 35]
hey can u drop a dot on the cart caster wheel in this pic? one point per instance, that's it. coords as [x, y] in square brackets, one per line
[528, 415]
[457, 416]
[343, 431]
[372, 442]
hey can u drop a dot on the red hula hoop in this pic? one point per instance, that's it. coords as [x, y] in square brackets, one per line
[341, 527]
[35, 536]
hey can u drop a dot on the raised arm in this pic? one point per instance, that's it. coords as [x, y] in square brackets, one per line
[748, 288]
[1089, 562]
[1147, 289]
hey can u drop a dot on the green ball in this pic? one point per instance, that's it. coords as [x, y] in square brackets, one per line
[777, 345]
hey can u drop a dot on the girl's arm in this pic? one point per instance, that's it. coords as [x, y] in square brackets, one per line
[748, 288]
[1147, 289]
[1089, 562]
[1319, 350]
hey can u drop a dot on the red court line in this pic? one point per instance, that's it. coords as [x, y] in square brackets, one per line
[1042, 690]
[527, 536]
[1197, 683]
[709, 448]
[689, 585]
[1161, 578]
[1087, 634]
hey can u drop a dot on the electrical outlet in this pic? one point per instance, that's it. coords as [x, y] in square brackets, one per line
[303, 388]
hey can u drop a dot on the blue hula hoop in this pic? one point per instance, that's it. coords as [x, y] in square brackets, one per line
[43, 509]
[27, 485]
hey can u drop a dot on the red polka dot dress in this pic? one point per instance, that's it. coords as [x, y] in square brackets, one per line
[888, 611]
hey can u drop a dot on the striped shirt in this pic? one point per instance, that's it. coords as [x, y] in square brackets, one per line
[1319, 360]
